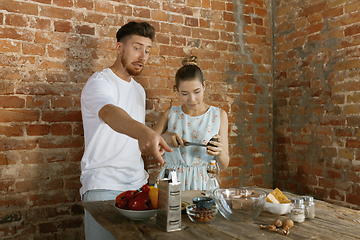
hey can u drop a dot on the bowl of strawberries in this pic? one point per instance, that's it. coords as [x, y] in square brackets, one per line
[138, 204]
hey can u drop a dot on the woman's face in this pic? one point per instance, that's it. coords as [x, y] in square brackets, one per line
[191, 93]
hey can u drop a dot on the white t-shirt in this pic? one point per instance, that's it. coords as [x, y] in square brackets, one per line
[111, 160]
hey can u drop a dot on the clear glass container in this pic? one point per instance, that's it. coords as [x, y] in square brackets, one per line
[297, 213]
[309, 207]
[212, 183]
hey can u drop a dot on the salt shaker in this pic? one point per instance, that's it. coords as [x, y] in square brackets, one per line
[297, 213]
[309, 207]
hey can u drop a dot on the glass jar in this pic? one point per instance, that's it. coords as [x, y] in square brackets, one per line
[309, 207]
[212, 183]
[297, 213]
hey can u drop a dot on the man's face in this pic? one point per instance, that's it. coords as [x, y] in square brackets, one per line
[135, 53]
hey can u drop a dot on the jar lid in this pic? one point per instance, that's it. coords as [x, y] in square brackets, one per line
[297, 200]
[308, 198]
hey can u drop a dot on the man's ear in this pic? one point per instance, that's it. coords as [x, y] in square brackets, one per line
[118, 47]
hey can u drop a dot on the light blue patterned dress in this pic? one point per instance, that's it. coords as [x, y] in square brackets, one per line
[190, 162]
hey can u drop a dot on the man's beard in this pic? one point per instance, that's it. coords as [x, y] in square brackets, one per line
[129, 70]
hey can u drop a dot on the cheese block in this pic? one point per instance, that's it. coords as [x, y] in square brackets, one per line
[280, 196]
[270, 198]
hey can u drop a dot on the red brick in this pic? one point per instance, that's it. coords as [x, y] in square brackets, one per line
[11, 102]
[141, 12]
[63, 3]
[352, 198]
[63, 26]
[37, 130]
[192, 22]
[12, 130]
[352, 143]
[318, 7]
[16, 33]
[8, 158]
[87, 4]
[61, 116]
[355, 29]
[19, 7]
[33, 49]
[352, 7]
[16, 20]
[159, 15]
[16, 144]
[148, 4]
[61, 129]
[18, 115]
[177, 8]
[60, 142]
[334, 12]
[55, 12]
[347, 64]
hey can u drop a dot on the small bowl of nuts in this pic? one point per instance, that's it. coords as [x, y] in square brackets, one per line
[201, 215]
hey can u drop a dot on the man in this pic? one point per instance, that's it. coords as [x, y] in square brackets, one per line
[113, 111]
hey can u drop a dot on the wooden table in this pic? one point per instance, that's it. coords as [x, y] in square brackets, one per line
[331, 222]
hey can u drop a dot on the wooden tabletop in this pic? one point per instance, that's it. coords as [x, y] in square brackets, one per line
[331, 222]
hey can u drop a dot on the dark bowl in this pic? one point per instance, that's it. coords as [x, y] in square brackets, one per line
[203, 202]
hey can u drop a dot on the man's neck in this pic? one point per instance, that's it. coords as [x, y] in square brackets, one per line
[120, 71]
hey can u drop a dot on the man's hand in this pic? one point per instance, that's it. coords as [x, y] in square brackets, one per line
[152, 144]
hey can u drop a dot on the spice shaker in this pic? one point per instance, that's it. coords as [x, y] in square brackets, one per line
[309, 207]
[297, 213]
[169, 204]
[212, 183]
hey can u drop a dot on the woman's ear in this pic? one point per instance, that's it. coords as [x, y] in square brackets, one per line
[204, 85]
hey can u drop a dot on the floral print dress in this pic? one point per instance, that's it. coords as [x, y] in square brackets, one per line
[190, 162]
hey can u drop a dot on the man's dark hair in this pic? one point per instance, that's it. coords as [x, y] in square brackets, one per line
[143, 29]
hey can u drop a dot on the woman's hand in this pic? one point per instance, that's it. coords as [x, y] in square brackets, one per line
[173, 139]
[217, 148]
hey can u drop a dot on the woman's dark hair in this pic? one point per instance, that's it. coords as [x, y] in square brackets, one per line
[189, 71]
[143, 29]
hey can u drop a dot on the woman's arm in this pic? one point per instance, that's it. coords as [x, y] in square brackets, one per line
[222, 147]
[161, 126]
[171, 138]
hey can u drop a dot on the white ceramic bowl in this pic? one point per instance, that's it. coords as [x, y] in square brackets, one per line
[137, 215]
[277, 208]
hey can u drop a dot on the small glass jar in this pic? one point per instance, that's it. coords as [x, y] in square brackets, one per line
[309, 207]
[297, 213]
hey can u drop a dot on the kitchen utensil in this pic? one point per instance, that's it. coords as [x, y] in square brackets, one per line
[169, 205]
[200, 144]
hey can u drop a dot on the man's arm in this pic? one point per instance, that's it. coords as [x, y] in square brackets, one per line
[150, 142]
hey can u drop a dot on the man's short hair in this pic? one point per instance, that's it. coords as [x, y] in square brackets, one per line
[143, 29]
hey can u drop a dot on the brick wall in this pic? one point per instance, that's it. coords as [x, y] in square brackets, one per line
[49, 48]
[316, 99]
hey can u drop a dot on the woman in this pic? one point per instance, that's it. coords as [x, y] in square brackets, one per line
[193, 121]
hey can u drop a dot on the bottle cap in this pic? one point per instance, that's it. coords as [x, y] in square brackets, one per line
[308, 198]
[212, 162]
[297, 200]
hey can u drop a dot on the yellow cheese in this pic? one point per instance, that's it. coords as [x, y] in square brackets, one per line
[271, 198]
[280, 196]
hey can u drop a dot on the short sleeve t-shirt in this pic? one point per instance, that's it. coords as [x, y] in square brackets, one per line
[111, 160]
